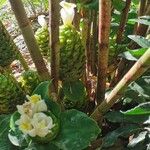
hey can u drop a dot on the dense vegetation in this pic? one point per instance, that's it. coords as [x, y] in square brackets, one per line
[74, 75]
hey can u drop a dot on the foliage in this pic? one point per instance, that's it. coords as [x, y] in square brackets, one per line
[135, 121]
[73, 126]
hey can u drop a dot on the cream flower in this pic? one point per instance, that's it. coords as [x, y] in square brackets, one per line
[67, 12]
[42, 20]
[40, 106]
[42, 124]
[25, 125]
[26, 108]
[35, 104]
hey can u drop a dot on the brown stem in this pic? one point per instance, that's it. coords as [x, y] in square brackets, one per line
[135, 72]
[54, 43]
[123, 21]
[104, 30]
[28, 34]
[142, 7]
[94, 44]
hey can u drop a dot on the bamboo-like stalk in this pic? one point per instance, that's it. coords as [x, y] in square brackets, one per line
[54, 43]
[124, 17]
[28, 34]
[135, 72]
[104, 31]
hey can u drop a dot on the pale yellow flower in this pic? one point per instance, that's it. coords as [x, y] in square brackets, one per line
[25, 125]
[34, 98]
[67, 12]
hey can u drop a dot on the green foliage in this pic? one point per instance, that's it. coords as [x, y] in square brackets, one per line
[77, 131]
[141, 109]
[118, 6]
[132, 121]
[142, 20]
[111, 138]
[138, 91]
[4, 128]
[141, 41]
[74, 94]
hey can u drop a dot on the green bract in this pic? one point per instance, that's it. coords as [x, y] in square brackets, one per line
[42, 37]
[29, 81]
[7, 47]
[72, 56]
[10, 94]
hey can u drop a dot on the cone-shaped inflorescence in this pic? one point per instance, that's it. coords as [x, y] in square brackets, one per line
[7, 47]
[10, 94]
[29, 80]
[42, 36]
[72, 56]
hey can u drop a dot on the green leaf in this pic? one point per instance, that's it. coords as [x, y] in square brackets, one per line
[140, 141]
[142, 109]
[118, 6]
[118, 117]
[127, 55]
[141, 21]
[4, 129]
[77, 131]
[111, 138]
[141, 41]
[138, 52]
[43, 90]
[93, 5]
[36, 146]
[75, 91]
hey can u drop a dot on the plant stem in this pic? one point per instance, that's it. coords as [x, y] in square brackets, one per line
[94, 44]
[54, 42]
[28, 34]
[104, 30]
[135, 72]
[124, 17]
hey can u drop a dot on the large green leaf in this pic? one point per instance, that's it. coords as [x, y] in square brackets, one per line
[36, 146]
[77, 131]
[118, 117]
[4, 128]
[141, 109]
[111, 138]
[43, 90]
[74, 91]
[142, 41]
